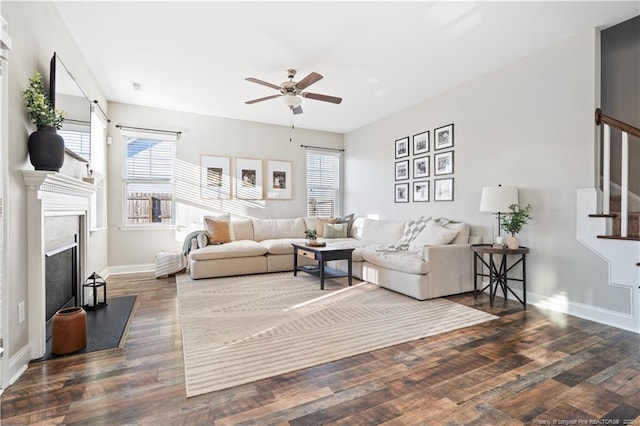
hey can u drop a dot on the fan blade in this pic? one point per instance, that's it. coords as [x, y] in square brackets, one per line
[264, 83]
[308, 81]
[319, 97]
[266, 98]
[297, 110]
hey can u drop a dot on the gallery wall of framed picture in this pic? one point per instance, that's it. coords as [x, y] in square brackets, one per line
[413, 167]
[215, 177]
[251, 179]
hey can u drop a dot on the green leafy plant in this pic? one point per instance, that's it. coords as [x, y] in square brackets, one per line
[311, 234]
[40, 110]
[515, 220]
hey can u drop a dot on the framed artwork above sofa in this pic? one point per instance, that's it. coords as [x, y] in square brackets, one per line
[215, 177]
[248, 182]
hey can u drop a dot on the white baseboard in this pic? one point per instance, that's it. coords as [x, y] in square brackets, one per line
[580, 310]
[129, 269]
[18, 363]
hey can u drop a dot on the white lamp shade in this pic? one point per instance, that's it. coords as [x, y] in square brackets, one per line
[497, 199]
[292, 100]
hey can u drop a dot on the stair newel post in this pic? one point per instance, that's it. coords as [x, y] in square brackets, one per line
[624, 185]
[606, 170]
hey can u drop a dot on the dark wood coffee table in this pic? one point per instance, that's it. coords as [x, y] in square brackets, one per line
[322, 255]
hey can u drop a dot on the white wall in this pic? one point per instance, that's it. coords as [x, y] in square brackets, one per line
[37, 30]
[529, 125]
[206, 135]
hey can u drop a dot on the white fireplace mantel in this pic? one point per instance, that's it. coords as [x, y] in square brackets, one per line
[50, 194]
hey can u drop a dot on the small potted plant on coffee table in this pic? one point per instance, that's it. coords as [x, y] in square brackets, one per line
[312, 236]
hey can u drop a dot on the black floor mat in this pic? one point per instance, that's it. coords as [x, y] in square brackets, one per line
[105, 327]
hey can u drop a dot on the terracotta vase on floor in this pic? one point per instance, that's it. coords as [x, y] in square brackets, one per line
[69, 331]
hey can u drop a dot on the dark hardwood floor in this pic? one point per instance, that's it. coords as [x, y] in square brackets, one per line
[527, 367]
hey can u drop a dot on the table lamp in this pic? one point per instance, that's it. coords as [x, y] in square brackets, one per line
[497, 199]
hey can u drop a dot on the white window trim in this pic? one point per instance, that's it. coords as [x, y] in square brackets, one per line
[338, 154]
[124, 226]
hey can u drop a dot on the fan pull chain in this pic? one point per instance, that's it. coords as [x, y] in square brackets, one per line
[292, 127]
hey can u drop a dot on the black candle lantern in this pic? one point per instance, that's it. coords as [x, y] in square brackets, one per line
[94, 291]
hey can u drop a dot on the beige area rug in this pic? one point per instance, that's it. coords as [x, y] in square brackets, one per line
[238, 330]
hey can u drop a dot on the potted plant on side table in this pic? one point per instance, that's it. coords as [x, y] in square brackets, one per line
[513, 223]
[46, 146]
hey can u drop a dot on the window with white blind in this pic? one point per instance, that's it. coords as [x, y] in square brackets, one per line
[323, 183]
[77, 137]
[148, 177]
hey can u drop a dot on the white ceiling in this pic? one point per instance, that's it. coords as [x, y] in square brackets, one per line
[380, 57]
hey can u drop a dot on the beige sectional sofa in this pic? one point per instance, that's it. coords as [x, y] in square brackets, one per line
[423, 270]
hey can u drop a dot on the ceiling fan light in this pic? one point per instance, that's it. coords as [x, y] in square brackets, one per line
[292, 101]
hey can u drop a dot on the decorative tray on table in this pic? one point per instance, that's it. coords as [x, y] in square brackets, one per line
[316, 244]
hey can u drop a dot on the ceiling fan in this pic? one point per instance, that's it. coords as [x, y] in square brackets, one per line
[292, 92]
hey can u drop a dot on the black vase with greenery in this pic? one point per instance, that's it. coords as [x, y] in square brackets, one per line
[46, 149]
[46, 146]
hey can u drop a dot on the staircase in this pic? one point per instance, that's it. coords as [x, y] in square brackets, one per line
[622, 254]
[633, 219]
[609, 227]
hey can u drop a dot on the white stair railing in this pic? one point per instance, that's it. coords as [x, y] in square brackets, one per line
[624, 186]
[606, 170]
[624, 169]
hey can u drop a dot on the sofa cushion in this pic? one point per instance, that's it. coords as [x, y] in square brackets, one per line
[433, 234]
[356, 228]
[309, 222]
[382, 231]
[321, 221]
[463, 232]
[359, 246]
[404, 261]
[202, 239]
[242, 229]
[243, 248]
[218, 228]
[269, 229]
[335, 230]
[280, 245]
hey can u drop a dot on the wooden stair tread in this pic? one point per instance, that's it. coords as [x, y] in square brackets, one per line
[618, 237]
[614, 214]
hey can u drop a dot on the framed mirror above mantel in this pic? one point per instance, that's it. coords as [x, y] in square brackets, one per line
[84, 131]
[66, 94]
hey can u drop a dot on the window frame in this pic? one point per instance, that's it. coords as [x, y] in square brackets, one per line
[336, 187]
[98, 166]
[171, 181]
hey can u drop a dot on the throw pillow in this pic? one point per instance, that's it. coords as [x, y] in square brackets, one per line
[411, 230]
[219, 230]
[337, 230]
[348, 219]
[433, 234]
[320, 221]
[226, 217]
